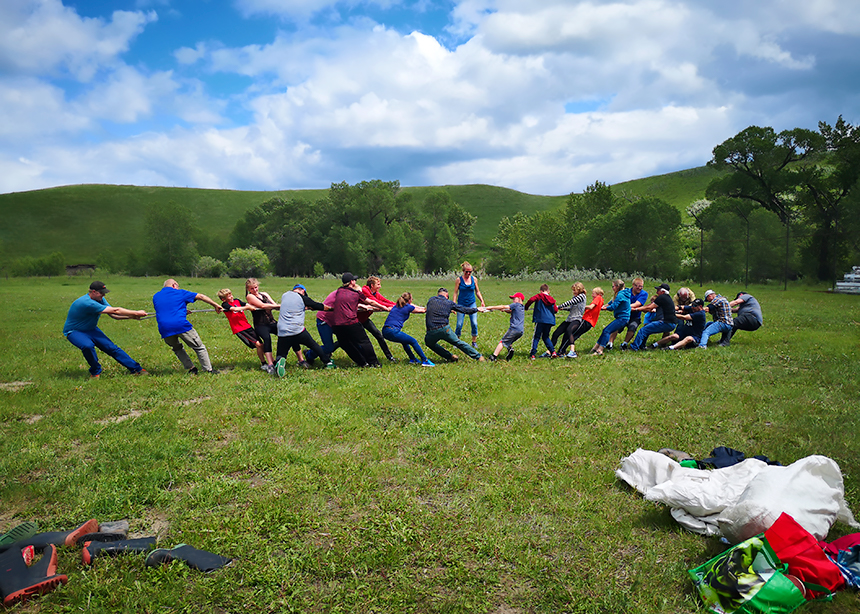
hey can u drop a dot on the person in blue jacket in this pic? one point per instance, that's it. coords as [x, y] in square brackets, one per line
[620, 308]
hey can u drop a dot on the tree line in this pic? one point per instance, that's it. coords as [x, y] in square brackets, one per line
[369, 227]
[785, 204]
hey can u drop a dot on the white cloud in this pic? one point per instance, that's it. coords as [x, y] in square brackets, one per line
[673, 77]
[32, 110]
[43, 37]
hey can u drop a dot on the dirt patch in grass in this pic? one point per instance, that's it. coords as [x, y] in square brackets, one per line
[193, 401]
[14, 386]
[134, 414]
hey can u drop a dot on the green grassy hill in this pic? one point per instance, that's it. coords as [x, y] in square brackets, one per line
[82, 221]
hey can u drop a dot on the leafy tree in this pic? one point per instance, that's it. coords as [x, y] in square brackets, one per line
[764, 167]
[828, 197]
[250, 262]
[170, 231]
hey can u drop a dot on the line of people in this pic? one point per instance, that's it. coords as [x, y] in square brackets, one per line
[343, 321]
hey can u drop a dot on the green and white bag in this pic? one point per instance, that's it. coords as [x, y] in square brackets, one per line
[748, 579]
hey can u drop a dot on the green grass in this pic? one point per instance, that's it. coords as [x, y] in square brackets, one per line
[81, 221]
[681, 188]
[474, 487]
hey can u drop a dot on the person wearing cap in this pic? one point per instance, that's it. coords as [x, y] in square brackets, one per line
[722, 314]
[371, 291]
[516, 328]
[436, 316]
[749, 316]
[346, 326]
[82, 329]
[664, 320]
[292, 333]
[171, 314]
[687, 336]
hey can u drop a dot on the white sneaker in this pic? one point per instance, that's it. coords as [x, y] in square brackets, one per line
[570, 354]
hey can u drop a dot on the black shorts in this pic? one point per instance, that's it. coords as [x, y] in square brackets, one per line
[249, 337]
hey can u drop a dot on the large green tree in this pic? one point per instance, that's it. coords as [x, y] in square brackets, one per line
[170, 246]
[765, 167]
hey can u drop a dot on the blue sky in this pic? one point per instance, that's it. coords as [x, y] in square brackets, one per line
[545, 97]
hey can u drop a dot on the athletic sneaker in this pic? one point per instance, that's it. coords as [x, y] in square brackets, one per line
[608, 346]
[265, 367]
[570, 354]
[414, 361]
[427, 363]
[330, 365]
[141, 372]
[510, 355]
[492, 357]
[655, 345]
[392, 358]
[553, 355]
[624, 346]
[280, 366]
[304, 364]
[531, 356]
[475, 344]
[546, 355]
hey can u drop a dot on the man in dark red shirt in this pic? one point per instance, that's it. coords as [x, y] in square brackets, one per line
[346, 325]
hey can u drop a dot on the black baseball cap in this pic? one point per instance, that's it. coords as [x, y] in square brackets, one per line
[347, 277]
[662, 287]
[99, 287]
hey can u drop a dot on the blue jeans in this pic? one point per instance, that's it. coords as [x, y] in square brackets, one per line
[650, 329]
[473, 320]
[433, 337]
[88, 340]
[613, 327]
[327, 342]
[542, 331]
[398, 336]
[712, 329]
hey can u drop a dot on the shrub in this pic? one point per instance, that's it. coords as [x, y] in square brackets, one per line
[250, 262]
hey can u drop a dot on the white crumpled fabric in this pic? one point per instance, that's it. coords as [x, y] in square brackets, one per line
[744, 499]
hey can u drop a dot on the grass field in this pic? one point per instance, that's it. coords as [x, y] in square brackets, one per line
[474, 487]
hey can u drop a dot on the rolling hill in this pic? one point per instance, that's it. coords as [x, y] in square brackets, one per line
[83, 220]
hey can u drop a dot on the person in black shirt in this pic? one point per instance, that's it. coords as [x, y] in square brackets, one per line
[664, 319]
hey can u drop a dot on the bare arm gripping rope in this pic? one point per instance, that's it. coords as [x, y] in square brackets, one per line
[189, 311]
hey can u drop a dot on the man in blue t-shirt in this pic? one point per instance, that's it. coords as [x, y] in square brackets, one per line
[82, 329]
[171, 313]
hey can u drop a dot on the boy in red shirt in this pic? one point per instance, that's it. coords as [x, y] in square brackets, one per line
[235, 310]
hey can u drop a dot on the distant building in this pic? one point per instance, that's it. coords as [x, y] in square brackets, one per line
[80, 269]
